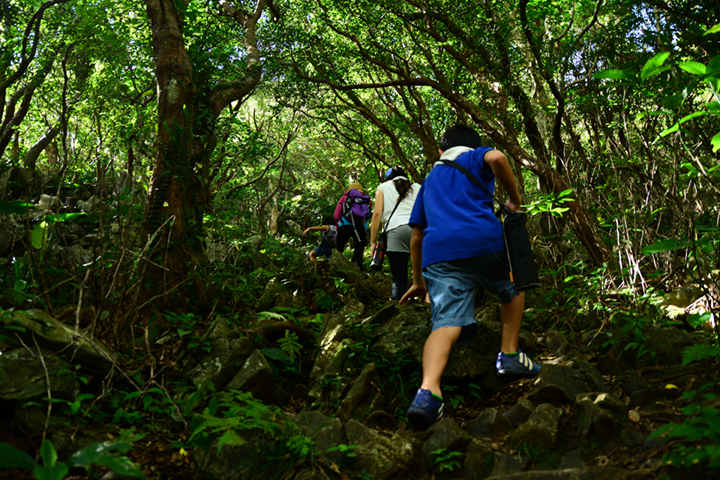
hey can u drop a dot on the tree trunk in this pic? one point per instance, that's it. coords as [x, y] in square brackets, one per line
[176, 206]
[172, 207]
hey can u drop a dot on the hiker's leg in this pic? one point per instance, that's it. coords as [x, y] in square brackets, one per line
[435, 356]
[399, 271]
[360, 244]
[511, 318]
[451, 288]
[343, 235]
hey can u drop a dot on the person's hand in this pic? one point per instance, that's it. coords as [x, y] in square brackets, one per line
[305, 232]
[512, 206]
[372, 247]
[416, 291]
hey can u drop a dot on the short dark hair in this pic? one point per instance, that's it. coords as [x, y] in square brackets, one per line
[328, 220]
[460, 136]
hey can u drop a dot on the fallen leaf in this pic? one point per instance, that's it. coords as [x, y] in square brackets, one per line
[634, 415]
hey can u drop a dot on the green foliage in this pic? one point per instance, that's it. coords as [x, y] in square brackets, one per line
[347, 452]
[16, 207]
[540, 457]
[699, 434]
[185, 324]
[230, 414]
[551, 203]
[104, 454]
[632, 326]
[700, 352]
[300, 446]
[446, 460]
[290, 345]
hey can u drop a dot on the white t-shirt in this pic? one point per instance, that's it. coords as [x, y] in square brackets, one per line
[390, 196]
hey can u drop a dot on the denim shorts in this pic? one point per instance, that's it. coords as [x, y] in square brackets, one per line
[452, 286]
[324, 249]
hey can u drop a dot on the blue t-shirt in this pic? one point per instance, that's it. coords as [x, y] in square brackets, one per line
[457, 215]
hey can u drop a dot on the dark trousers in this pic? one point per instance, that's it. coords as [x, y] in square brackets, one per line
[399, 271]
[345, 233]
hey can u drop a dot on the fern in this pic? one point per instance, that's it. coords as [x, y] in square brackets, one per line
[290, 344]
[230, 414]
[700, 352]
[271, 316]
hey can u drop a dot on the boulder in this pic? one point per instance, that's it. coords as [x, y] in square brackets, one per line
[382, 456]
[603, 419]
[520, 412]
[325, 432]
[478, 460]
[274, 295]
[362, 398]
[491, 424]
[24, 376]
[343, 268]
[256, 377]
[445, 435]
[541, 429]
[227, 356]
[565, 382]
[55, 336]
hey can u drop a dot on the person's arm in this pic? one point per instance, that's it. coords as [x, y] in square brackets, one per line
[376, 218]
[501, 168]
[418, 288]
[321, 228]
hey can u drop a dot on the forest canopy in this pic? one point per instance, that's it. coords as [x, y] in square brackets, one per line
[151, 152]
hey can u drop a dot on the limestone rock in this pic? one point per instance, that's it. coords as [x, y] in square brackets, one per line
[58, 337]
[256, 377]
[382, 456]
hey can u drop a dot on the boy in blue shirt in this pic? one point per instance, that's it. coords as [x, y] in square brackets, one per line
[458, 242]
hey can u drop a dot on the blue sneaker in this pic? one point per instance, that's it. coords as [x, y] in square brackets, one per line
[424, 410]
[519, 365]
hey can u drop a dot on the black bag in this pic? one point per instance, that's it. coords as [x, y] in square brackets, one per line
[378, 255]
[523, 272]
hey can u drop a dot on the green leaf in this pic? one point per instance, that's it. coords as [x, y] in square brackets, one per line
[712, 30]
[15, 207]
[230, 438]
[103, 453]
[664, 246]
[714, 64]
[696, 68]
[715, 142]
[20, 285]
[670, 130]
[65, 216]
[654, 65]
[11, 457]
[48, 453]
[671, 102]
[39, 235]
[613, 74]
[55, 472]
[132, 395]
[713, 107]
[275, 354]
[691, 116]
